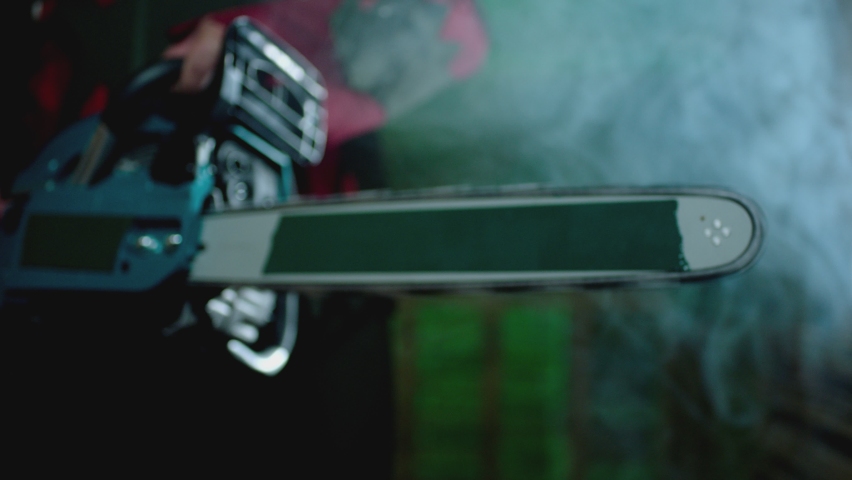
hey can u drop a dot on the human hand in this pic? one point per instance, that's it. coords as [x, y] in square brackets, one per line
[200, 51]
[240, 313]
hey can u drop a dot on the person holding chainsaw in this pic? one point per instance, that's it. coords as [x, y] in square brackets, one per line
[379, 59]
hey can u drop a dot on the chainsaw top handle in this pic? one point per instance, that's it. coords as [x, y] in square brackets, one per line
[149, 92]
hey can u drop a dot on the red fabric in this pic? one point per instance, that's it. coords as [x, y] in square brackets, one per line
[464, 28]
[48, 87]
[349, 183]
[321, 178]
[96, 102]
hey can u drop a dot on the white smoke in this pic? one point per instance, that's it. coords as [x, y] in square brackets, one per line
[751, 95]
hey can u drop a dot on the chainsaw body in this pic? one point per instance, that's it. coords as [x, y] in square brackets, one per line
[114, 202]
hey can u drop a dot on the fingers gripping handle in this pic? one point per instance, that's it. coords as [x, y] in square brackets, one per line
[240, 313]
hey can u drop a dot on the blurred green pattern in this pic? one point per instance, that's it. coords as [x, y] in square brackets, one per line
[534, 372]
[534, 387]
[489, 395]
[448, 405]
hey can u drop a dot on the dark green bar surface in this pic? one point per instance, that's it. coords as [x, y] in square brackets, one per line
[73, 241]
[602, 236]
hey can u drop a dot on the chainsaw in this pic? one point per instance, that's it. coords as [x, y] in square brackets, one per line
[202, 187]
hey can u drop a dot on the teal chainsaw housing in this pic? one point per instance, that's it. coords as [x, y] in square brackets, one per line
[127, 232]
[114, 202]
